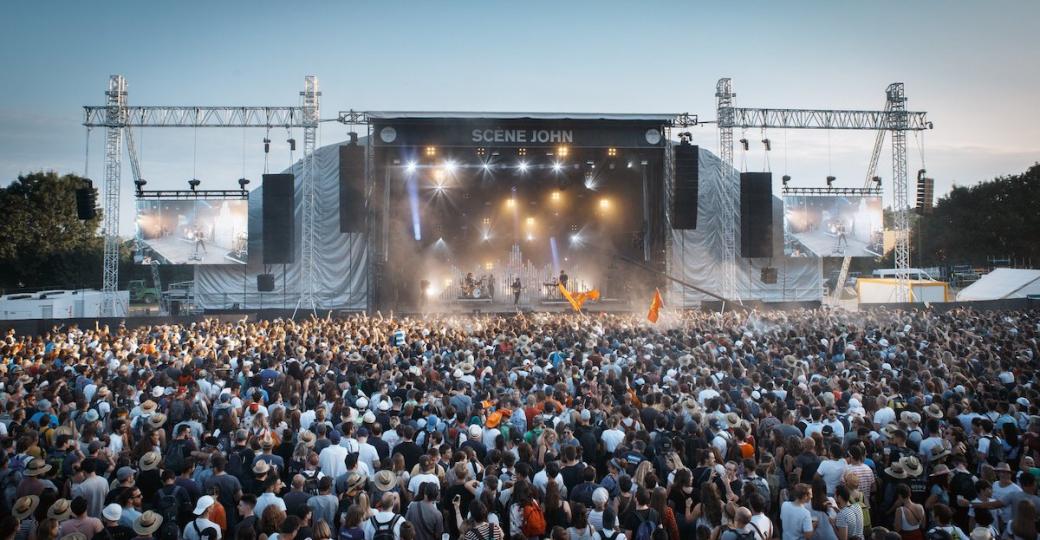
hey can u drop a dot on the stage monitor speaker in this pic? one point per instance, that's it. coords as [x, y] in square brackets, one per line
[175, 308]
[756, 215]
[351, 188]
[684, 195]
[768, 276]
[86, 201]
[279, 221]
[265, 282]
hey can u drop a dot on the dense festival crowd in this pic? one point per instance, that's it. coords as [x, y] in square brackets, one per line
[801, 425]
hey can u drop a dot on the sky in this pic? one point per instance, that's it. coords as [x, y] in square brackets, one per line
[973, 66]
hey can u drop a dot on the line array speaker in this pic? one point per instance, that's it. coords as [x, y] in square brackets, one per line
[279, 218]
[756, 215]
[687, 177]
[86, 201]
[265, 282]
[351, 188]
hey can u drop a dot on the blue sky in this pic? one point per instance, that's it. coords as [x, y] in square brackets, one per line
[974, 66]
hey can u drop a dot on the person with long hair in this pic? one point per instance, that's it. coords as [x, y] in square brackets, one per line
[659, 502]
[478, 527]
[823, 512]
[709, 514]
[682, 499]
[353, 520]
[557, 509]
[1023, 526]
[271, 521]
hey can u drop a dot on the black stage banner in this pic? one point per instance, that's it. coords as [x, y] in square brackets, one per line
[526, 133]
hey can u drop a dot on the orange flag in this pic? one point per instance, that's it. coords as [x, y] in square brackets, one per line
[655, 306]
[578, 299]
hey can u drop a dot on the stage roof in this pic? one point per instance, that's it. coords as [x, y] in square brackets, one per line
[446, 115]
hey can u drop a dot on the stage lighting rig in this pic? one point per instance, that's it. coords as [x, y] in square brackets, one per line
[242, 183]
[877, 181]
[557, 167]
[522, 166]
[830, 182]
[431, 151]
[267, 145]
[744, 143]
[786, 179]
[140, 182]
[685, 137]
[411, 166]
[562, 151]
[194, 183]
[611, 152]
[769, 145]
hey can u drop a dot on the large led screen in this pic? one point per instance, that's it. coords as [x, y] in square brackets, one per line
[197, 231]
[833, 226]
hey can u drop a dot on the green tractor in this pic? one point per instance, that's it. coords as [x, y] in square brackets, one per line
[141, 294]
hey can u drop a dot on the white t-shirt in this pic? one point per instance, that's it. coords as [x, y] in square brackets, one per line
[191, 534]
[796, 520]
[884, 416]
[765, 526]
[832, 471]
[612, 438]
[420, 479]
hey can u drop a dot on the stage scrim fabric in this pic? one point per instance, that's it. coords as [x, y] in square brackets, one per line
[695, 255]
[341, 260]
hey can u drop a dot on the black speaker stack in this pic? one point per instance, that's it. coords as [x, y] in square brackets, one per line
[756, 215]
[278, 219]
[684, 195]
[351, 188]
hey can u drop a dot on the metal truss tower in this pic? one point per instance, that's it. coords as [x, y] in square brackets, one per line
[115, 117]
[898, 121]
[724, 99]
[895, 118]
[311, 109]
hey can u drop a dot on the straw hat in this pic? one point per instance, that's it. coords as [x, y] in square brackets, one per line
[37, 467]
[896, 470]
[733, 419]
[940, 470]
[147, 523]
[308, 439]
[149, 461]
[60, 510]
[938, 452]
[355, 482]
[466, 367]
[261, 467]
[148, 407]
[25, 506]
[790, 360]
[384, 481]
[933, 411]
[912, 466]
[267, 443]
[157, 420]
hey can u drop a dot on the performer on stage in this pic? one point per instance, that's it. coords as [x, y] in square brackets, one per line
[563, 279]
[468, 285]
[516, 291]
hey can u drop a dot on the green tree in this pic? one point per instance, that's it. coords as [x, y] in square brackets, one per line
[994, 219]
[42, 241]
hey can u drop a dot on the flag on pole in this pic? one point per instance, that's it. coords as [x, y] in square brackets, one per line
[655, 306]
[577, 300]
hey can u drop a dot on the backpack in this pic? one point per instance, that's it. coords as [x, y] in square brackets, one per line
[604, 536]
[534, 520]
[236, 462]
[384, 531]
[310, 482]
[963, 484]
[995, 453]
[169, 505]
[741, 535]
[645, 530]
[209, 533]
[175, 457]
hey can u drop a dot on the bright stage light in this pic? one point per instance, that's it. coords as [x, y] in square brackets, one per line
[562, 151]
[449, 166]
[411, 166]
[489, 266]
[611, 152]
[487, 236]
[555, 196]
[530, 237]
[431, 150]
[522, 166]
[557, 167]
[604, 204]
[530, 221]
[510, 203]
[575, 239]
[487, 166]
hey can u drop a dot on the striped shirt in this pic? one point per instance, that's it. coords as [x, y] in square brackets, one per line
[851, 519]
[865, 476]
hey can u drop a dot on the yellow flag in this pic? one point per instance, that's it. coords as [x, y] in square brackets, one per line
[577, 300]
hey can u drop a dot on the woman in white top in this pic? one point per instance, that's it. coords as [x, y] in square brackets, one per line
[610, 530]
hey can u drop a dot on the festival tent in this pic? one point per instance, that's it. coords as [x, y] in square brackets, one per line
[1003, 283]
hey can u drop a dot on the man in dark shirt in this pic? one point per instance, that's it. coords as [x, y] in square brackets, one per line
[229, 488]
[296, 499]
[408, 448]
[642, 512]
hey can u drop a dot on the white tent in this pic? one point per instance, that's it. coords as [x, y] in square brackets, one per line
[1003, 283]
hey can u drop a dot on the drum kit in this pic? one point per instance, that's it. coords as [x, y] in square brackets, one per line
[481, 288]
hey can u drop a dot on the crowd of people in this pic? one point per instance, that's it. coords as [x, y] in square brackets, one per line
[799, 425]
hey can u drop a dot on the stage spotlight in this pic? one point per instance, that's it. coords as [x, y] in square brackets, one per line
[522, 166]
[830, 181]
[744, 143]
[292, 144]
[530, 237]
[242, 183]
[521, 151]
[575, 239]
[555, 196]
[489, 266]
[140, 185]
[511, 203]
[487, 236]
[487, 166]
[431, 151]
[611, 152]
[786, 179]
[194, 183]
[562, 151]
[530, 221]
[557, 167]
[267, 145]
[438, 176]
[769, 145]
[629, 164]
[449, 166]
[877, 181]
[604, 204]
[411, 166]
